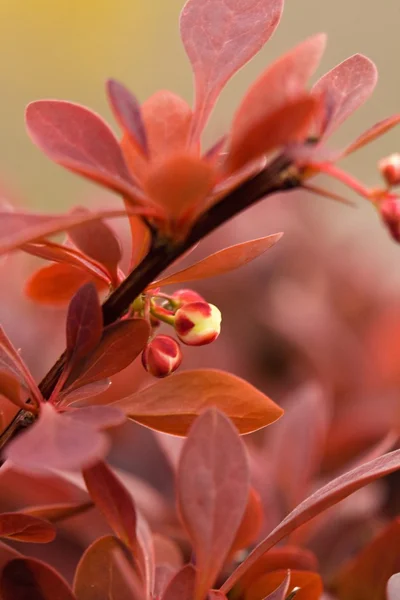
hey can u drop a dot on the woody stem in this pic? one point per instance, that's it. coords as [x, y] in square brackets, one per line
[278, 176]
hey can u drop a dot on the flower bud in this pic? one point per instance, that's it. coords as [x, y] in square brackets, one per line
[186, 296]
[390, 213]
[197, 323]
[162, 356]
[390, 169]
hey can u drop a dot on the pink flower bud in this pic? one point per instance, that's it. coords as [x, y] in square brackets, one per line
[390, 169]
[162, 356]
[186, 296]
[390, 213]
[197, 323]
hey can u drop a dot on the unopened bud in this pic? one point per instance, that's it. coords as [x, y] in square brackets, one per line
[186, 296]
[390, 169]
[162, 356]
[390, 213]
[197, 323]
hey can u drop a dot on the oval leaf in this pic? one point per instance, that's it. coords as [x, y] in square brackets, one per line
[98, 417]
[345, 88]
[84, 322]
[220, 36]
[113, 500]
[251, 523]
[327, 496]
[56, 441]
[182, 585]
[213, 487]
[58, 512]
[56, 284]
[78, 139]
[222, 262]
[120, 344]
[127, 112]
[98, 570]
[26, 528]
[172, 404]
[32, 579]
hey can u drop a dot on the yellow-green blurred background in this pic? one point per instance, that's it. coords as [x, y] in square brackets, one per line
[67, 48]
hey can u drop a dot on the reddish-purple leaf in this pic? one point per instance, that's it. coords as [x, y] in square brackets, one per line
[78, 139]
[127, 112]
[345, 88]
[393, 587]
[56, 441]
[99, 417]
[56, 284]
[282, 85]
[6, 554]
[84, 322]
[219, 37]
[120, 344]
[221, 262]
[327, 496]
[308, 585]
[128, 575]
[113, 500]
[213, 487]
[172, 404]
[182, 585]
[19, 228]
[163, 575]
[98, 571]
[32, 579]
[26, 528]
[64, 254]
[97, 240]
[373, 133]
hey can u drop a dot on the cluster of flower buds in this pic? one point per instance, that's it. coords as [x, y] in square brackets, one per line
[195, 321]
[389, 203]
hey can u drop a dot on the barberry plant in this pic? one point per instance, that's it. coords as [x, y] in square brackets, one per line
[213, 544]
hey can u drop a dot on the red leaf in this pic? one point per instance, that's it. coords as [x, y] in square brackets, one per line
[172, 404]
[345, 88]
[32, 579]
[56, 284]
[58, 512]
[372, 133]
[251, 523]
[213, 487]
[84, 322]
[6, 554]
[78, 139]
[127, 112]
[287, 124]
[219, 37]
[120, 344]
[83, 393]
[282, 84]
[97, 240]
[64, 254]
[113, 500]
[11, 361]
[19, 228]
[56, 441]
[10, 388]
[98, 571]
[182, 585]
[327, 496]
[287, 557]
[281, 591]
[393, 587]
[141, 238]
[221, 262]
[98, 417]
[26, 528]
[309, 584]
[365, 577]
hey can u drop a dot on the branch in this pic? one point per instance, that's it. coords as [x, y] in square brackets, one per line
[278, 176]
